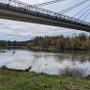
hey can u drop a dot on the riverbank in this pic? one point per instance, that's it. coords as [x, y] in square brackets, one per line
[53, 49]
[79, 42]
[13, 80]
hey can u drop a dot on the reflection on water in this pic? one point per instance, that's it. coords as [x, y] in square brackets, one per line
[51, 63]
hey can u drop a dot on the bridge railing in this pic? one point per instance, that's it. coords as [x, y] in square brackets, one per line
[29, 7]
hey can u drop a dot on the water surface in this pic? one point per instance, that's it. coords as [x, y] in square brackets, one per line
[50, 63]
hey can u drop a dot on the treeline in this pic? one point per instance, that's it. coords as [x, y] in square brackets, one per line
[12, 44]
[55, 44]
[80, 42]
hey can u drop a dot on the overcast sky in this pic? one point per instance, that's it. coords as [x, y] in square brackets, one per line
[13, 30]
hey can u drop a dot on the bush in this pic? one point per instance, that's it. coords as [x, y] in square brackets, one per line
[73, 72]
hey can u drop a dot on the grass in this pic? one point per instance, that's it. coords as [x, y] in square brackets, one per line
[13, 80]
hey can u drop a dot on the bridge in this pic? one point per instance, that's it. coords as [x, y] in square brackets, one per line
[16, 10]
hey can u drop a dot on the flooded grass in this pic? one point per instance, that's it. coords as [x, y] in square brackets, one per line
[13, 80]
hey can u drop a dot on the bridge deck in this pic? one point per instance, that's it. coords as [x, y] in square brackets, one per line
[40, 16]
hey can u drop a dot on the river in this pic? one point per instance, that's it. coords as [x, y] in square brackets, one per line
[50, 63]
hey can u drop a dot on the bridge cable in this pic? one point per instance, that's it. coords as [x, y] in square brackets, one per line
[83, 13]
[48, 3]
[72, 7]
[80, 11]
[86, 15]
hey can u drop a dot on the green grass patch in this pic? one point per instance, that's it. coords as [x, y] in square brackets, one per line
[13, 80]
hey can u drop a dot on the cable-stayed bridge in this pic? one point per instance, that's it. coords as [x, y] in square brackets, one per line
[16, 10]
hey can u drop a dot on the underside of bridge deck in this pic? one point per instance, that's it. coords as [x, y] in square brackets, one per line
[19, 14]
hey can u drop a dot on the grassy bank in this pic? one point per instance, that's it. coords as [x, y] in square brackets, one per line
[13, 80]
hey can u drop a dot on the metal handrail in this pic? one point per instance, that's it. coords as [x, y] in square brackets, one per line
[29, 7]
